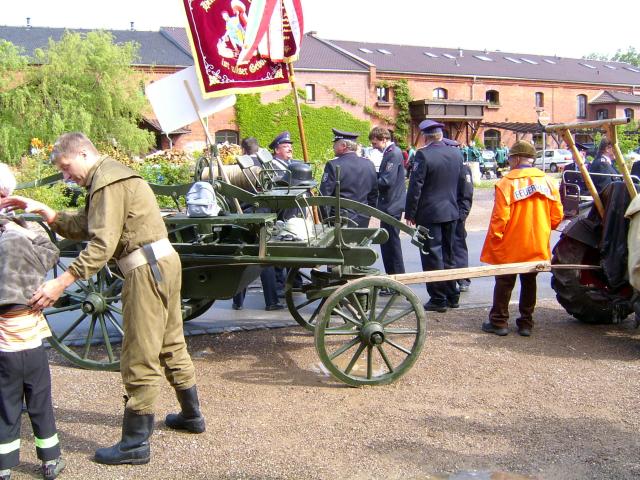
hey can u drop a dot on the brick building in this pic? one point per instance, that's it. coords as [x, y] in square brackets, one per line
[477, 94]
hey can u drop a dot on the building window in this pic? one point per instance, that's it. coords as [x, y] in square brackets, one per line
[493, 97]
[230, 136]
[310, 92]
[492, 139]
[439, 93]
[383, 94]
[602, 114]
[539, 100]
[582, 106]
[628, 112]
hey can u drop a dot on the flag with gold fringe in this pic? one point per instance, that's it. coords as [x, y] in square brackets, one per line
[242, 46]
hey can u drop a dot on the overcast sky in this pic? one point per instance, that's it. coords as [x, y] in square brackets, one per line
[568, 28]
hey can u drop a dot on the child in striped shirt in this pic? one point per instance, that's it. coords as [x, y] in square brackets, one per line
[25, 258]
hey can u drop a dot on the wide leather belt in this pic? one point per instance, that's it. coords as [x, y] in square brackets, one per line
[147, 254]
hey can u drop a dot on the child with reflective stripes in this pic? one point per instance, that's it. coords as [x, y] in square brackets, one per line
[25, 258]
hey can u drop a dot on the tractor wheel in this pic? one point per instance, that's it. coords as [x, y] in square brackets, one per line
[585, 293]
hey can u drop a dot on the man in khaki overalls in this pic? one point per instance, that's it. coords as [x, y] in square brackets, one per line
[122, 220]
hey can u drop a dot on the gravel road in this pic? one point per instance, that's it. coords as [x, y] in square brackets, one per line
[561, 404]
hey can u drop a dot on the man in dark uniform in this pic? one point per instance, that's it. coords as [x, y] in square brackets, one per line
[603, 163]
[358, 178]
[435, 191]
[282, 148]
[460, 250]
[391, 197]
[268, 276]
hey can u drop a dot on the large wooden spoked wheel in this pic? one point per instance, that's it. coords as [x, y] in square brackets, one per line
[364, 338]
[86, 321]
[303, 310]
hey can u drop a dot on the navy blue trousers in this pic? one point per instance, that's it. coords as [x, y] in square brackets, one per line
[392, 250]
[268, 279]
[439, 257]
[26, 375]
[460, 250]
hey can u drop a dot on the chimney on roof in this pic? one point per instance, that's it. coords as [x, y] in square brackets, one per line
[132, 27]
[460, 52]
[28, 22]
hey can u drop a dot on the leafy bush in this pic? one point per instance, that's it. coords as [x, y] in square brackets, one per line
[264, 122]
[37, 166]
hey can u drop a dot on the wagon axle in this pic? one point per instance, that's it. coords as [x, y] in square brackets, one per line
[94, 303]
[372, 334]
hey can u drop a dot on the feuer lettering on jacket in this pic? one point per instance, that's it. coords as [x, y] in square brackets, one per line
[529, 190]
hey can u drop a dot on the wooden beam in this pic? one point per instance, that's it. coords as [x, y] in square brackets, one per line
[483, 271]
[586, 125]
[577, 158]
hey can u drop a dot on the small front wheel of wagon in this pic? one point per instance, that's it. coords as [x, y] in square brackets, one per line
[364, 338]
[86, 321]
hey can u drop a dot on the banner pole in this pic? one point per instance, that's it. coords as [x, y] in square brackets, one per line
[223, 173]
[303, 140]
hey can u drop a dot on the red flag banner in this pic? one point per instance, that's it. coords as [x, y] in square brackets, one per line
[239, 46]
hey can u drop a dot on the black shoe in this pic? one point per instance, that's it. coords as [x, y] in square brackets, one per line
[51, 470]
[275, 306]
[435, 307]
[524, 332]
[489, 327]
[190, 418]
[386, 292]
[235, 306]
[134, 447]
[453, 303]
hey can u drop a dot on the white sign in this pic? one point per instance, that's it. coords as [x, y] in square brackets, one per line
[172, 104]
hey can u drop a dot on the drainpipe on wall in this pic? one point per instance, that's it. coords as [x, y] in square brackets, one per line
[471, 88]
[372, 79]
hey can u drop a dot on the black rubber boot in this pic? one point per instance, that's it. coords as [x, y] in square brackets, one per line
[190, 418]
[134, 447]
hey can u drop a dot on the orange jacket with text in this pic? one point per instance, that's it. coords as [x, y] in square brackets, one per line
[527, 207]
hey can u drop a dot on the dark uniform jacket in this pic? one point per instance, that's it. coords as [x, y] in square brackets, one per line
[436, 185]
[465, 200]
[392, 191]
[600, 165]
[358, 180]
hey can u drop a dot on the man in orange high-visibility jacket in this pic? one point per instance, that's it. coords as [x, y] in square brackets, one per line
[527, 206]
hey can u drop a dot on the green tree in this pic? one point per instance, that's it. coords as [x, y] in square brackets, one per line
[631, 55]
[83, 82]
